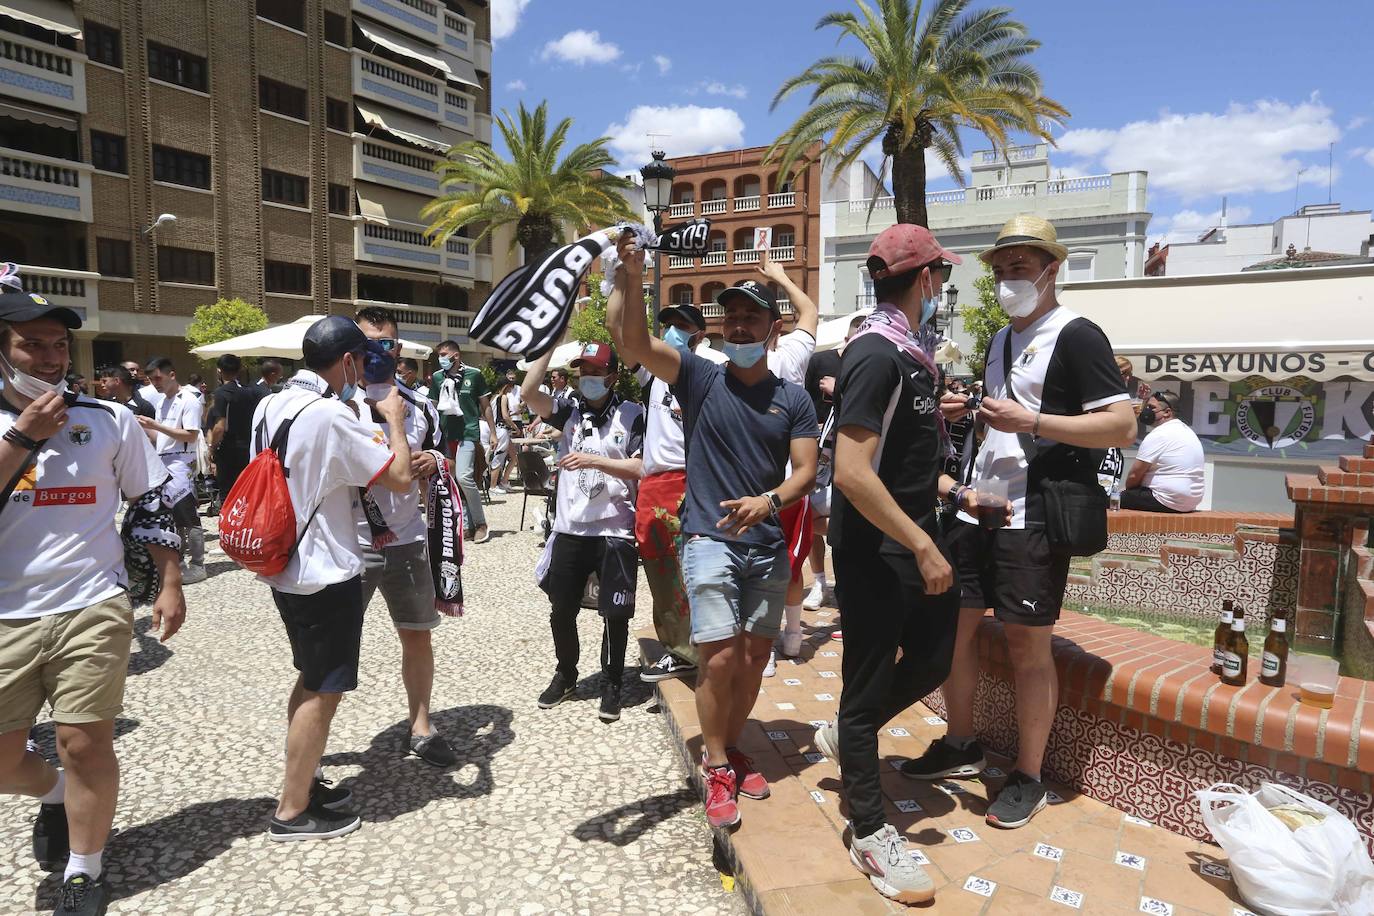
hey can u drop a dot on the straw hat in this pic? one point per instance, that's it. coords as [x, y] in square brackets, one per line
[1027, 229]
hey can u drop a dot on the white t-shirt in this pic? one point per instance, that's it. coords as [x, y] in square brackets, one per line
[180, 411]
[59, 547]
[151, 395]
[1177, 479]
[664, 448]
[791, 357]
[328, 452]
[592, 502]
[402, 511]
[514, 403]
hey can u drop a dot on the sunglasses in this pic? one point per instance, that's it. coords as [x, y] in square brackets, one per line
[388, 344]
[1166, 398]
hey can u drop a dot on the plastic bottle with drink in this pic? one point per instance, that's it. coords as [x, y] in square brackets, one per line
[1115, 496]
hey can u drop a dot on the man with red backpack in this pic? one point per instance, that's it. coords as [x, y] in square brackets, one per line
[329, 453]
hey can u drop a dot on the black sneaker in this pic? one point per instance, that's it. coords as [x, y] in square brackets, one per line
[50, 843]
[313, 823]
[943, 760]
[1020, 800]
[559, 689]
[610, 702]
[432, 749]
[83, 895]
[669, 666]
[324, 794]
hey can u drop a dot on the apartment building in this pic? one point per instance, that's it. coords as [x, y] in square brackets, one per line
[739, 194]
[1316, 234]
[293, 141]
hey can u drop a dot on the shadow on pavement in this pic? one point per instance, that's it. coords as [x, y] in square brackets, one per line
[392, 784]
[623, 825]
[44, 736]
[151, 654]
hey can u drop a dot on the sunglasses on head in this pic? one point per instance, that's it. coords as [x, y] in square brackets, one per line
[1166, 398]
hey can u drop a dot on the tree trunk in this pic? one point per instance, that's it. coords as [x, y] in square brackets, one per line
[909, 185]
[535, 232]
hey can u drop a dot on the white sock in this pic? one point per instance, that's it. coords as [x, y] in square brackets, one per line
[821, 580]
[58, 791]
[88, 865]
[793, 612]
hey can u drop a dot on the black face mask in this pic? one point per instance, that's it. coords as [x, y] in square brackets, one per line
[1147, 416]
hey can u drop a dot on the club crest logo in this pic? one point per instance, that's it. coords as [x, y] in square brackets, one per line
[79, 434]
[237, 512]
[1275, 416]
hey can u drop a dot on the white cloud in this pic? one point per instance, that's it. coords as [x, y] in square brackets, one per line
[505, 17]
[719, 88]
[1366, 154]
[682, 130]
[1187, 225]
[1356, 123]
[581, 47]
[1245, 149]
[517, 86]
[664, 63]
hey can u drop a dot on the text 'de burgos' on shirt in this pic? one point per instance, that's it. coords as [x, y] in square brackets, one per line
[739, 439]
[1061, 365]
[884, 390]
[59, 547]
[591, 502]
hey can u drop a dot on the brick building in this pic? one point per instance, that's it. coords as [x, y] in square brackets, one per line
[293, 140]
[739, 194]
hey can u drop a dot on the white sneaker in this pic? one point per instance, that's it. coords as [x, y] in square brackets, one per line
[190, 575]
[772, 667]
[819, 597]
[827, 741]
[791, 643]
[890, 868]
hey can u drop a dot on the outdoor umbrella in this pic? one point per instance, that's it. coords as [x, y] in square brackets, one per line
[284, 341]
[830, 334]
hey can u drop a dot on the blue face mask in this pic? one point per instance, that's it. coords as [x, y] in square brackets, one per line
[349, 388]
[928, 307]
[593, 387]
[745, 355]
[446, 363]
[677, 338]
[378, 364]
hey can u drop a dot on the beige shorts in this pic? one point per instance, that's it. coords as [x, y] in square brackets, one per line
[76, 661]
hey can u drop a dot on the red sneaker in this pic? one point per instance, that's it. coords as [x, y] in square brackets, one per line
[721, 785]
[751, 781]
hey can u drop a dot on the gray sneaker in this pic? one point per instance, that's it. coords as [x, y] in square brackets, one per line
[890, 868]
[193, 574]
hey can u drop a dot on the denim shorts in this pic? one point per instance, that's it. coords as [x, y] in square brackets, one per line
[733, 587]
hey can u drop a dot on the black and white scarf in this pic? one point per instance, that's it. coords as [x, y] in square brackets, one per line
[147, 520]
[444, 523]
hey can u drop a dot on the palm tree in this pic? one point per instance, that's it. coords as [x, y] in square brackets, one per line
[531, 189]
[918, 85]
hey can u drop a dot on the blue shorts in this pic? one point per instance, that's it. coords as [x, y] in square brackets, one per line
[733, 587]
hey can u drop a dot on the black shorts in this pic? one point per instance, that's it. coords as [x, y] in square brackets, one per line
[572, 560]
[1011, 570]
[186, 512]
[326, 632]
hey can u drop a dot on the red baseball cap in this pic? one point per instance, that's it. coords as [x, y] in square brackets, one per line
[905, 247]
[595, 354]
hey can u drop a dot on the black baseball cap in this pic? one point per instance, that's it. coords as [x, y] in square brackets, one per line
[689, 312]
[29, 306]
[327, 340]
[756, 292]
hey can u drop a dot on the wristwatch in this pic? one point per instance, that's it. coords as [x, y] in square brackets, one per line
[774, 501]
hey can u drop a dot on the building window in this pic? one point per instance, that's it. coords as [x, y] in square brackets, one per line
[290, 13]
[103, 44]
[175, 66]
[185, 265]
[281, 188]
[108, 153]
[283, 99]
[784, 239]
[340, 199]
[180, 167]
[1079, 266]
[341, 284]
[114, 258]
[336, 29]
[287, 278]
[338, 115]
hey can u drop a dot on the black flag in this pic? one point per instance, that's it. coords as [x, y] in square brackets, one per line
[687, 239]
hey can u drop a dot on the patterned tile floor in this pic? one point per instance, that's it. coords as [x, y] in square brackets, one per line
[546, 812]
[1077, 854]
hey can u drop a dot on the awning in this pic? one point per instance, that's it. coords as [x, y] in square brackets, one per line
[33, 116]
[406, 127]
[1312, 322]
[405, 47]
[388, 205]
[53, 15]
[284, 341]
[460, 71]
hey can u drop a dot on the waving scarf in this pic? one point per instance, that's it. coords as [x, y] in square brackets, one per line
[690, 239]
[444, 522]
[890, 323]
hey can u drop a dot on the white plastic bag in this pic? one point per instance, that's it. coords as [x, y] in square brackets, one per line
[1319, 869]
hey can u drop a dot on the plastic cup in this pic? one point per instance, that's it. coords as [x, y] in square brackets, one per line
[1317, 678]
[992, 503]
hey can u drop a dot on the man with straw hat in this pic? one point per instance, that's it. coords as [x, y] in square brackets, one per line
[1053, 394]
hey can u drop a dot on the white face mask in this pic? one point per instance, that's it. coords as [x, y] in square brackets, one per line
[26, 385]
[1019, 298]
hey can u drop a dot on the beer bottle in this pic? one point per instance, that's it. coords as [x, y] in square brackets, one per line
[1236, 658]
[1223, 633]
[1274, 669]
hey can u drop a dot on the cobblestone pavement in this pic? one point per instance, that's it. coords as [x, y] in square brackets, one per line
[547, 811]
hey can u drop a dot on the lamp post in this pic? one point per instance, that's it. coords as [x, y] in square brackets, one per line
[658, 191]
[951, 297]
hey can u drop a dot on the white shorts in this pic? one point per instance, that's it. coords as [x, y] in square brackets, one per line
[820, 502]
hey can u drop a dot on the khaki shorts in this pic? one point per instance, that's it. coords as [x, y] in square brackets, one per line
[75, 660]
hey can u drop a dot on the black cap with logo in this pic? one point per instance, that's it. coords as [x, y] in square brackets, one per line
[756, 292]
[15, 307]
[327, 340]
[689, 313]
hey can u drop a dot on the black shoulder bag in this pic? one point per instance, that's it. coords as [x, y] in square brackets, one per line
[1065, 476]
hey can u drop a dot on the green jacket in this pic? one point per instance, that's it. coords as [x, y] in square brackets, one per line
[468, 427]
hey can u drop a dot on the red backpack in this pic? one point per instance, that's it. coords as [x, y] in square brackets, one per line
[257, 523]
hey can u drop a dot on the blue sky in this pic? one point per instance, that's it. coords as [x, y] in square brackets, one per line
[1231, 98]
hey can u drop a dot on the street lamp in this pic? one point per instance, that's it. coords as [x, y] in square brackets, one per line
[951, 297]
[658, 191]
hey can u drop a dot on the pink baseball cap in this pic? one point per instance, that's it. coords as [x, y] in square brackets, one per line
[905, 247]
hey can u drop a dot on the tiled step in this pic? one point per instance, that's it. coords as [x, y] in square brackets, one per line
[1333, 477]
[1356, 464]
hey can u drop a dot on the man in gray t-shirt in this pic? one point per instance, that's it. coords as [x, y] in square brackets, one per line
[742, 425]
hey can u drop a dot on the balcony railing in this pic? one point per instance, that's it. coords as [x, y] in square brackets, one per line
[1055, 187]
[458, 32]
[379, 80]
[750, 256]
[785, 199]
[42, 73]
[384, 164]
[1082, 183]
[401, 244]
[865, 301]
[942, 198]
[1010, 154]
[416, 17]
[679, 262]
[713, 259]
[76, 289]
[1003, 191]
[713, 310]
[44, 186]
[677, 211]
[785, 305]
[745, 204]
[745, 256]
[713, 207]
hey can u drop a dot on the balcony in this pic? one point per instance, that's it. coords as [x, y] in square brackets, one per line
[420, 18]
[389, 165]
[714, 259]
[745, 256]
[865, 301]
[1050, 188]
[785, 199]
[458, 34]
[482, 59]
[38, 72]
[459, 108]
[458, 258]
[714, 310]
[1011, 154]
[713, 207]
[1078, 185]
[679, 262]
[382, 81]
[44, 186]
[76, 289]
[678, 211]
[399, 244]
[783, 253]
[745, 204]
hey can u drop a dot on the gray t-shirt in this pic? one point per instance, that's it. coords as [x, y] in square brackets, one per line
[739, 438]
